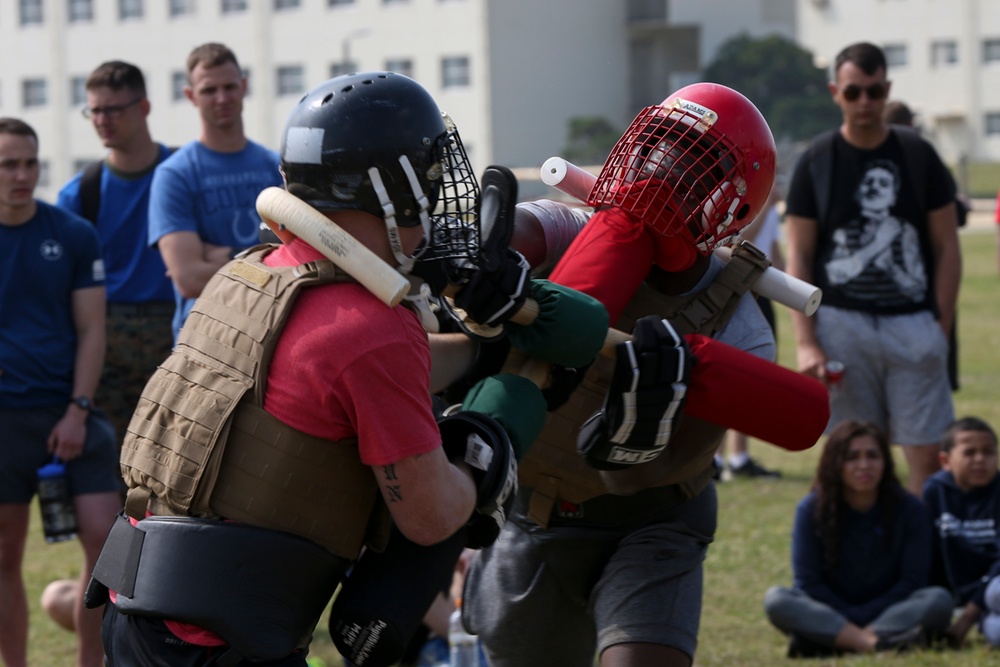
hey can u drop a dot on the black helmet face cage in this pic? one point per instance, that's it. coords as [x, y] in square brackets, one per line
[454, 231]
[675, 173]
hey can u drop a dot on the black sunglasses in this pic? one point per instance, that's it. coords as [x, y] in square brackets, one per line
[876, 91]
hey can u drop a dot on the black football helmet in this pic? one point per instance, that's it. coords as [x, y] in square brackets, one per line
[377, 142]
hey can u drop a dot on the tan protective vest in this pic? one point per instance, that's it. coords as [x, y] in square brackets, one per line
[554, 469]
[200, 444]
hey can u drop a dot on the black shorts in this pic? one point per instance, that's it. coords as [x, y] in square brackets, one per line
[25, 451]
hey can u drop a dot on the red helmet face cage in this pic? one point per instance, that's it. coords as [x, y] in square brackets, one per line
[699, 165]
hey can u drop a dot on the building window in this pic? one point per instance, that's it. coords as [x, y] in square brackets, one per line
[991, 50]
[233, 6]
[245, 71]
[178, 79]
[78, 91]
[291, 80]
[944, 52]
[129, 9]
[336, 69]
[334, 3]
[44, 179]
[31, 11]
[80, 164]
[895, 55]
[181, 7]
[81, 10]
[403, 66]
[993, 123]
[455, 72]
[286, 4]
[35, 93]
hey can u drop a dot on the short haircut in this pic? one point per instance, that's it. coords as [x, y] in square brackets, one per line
[897, 113]
[117, 75]
[18, 127]
[868, 57]
[962, 425]
[211, 54]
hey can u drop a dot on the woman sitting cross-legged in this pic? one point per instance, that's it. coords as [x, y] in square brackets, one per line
[861, 556]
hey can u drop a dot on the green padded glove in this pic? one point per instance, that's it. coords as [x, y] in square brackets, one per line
[515, 402]
[569, 330]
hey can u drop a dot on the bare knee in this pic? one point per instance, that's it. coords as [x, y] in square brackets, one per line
[59, 599]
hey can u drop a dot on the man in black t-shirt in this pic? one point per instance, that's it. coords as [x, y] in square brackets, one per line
[871, 220]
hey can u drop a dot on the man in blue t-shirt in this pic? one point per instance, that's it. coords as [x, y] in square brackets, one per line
[202, 209]
[52, 344]
[115, 198]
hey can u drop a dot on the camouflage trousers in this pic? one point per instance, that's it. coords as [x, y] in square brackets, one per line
[139, 339]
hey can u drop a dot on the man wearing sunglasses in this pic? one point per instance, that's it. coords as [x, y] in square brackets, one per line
[885, 251]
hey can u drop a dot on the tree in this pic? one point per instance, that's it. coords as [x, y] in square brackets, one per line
[589, 140]
[779, 77]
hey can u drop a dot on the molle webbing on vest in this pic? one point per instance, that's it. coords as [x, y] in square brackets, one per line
[198, 439]
[303, 485]
[555, 471]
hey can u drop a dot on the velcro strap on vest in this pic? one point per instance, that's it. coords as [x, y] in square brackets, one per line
[262, 591]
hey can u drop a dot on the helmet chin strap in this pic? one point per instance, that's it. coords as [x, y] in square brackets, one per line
[389, 211]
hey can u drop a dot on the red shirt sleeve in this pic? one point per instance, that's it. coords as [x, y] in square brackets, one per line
[609, 259]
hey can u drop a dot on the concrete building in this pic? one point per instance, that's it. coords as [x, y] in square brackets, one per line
[510, 72]
[944, 62]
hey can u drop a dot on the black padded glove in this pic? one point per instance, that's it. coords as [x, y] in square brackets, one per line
[483, 445]
[647, 394]
[492, 295]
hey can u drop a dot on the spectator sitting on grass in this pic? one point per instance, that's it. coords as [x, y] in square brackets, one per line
[964, 503]
[861, 556]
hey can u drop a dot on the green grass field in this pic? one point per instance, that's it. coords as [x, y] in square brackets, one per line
[751, 551]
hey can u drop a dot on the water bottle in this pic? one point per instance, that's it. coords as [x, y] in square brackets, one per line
[463, 648]
[56, 503]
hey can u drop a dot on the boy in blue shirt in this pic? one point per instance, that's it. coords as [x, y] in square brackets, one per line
[963, 500]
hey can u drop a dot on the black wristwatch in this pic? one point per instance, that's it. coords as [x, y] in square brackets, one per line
[82, 402]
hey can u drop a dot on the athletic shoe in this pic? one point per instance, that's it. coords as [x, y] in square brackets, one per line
[751, 468]
[900, 641]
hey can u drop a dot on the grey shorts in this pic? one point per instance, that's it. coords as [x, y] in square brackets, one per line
[562, 595]
[24, 452]
[896, 372]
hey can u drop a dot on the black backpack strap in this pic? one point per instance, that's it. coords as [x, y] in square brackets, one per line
[821, 169]
[914, 155]
[90, 186]
[90, 190]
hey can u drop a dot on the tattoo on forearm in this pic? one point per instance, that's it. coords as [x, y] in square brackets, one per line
[393, 492]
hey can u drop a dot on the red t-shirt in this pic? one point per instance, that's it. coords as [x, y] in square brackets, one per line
[345, 366]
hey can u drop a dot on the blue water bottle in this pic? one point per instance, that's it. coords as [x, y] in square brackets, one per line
[56, 503]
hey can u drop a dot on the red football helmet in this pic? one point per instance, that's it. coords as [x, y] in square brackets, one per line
[698, 166]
